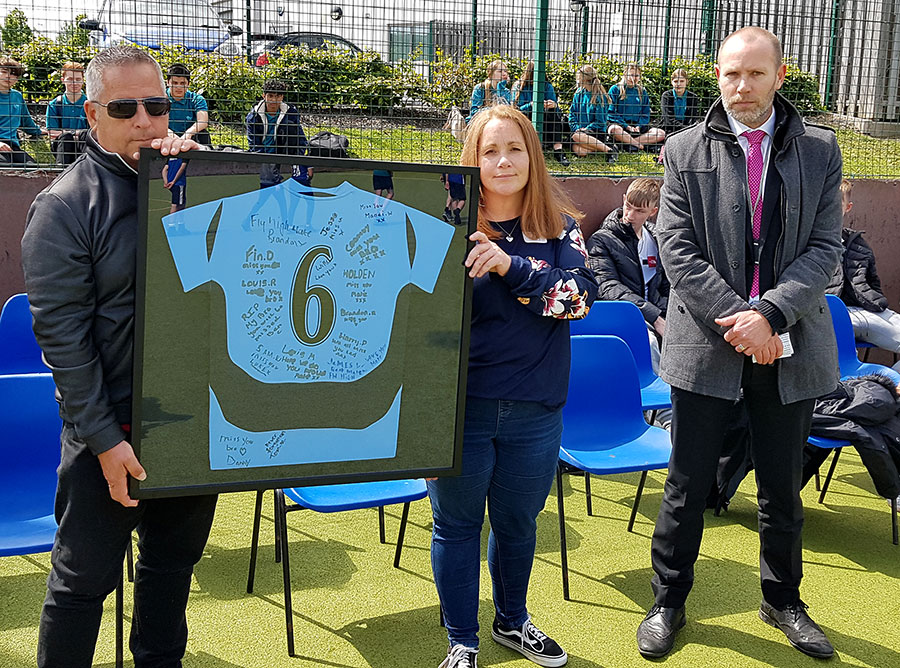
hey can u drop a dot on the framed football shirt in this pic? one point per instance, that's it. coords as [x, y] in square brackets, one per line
[298, 334]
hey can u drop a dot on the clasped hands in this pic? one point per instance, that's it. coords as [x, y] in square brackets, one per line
[751, 334]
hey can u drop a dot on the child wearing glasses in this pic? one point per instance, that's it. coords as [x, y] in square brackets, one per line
[14, 116]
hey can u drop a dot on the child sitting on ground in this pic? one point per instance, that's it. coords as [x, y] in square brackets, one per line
[629, 112]
[587, 115]
[680, 107]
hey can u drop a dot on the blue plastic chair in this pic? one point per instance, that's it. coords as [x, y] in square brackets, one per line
[838, 446]
[850, 367]
[603, 424]
[846, 343]
[330, 499]
[624, 320]
[29, 447]
[19, 351]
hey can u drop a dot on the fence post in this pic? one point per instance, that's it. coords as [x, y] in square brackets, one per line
[665, 63]
[474, 29]
[708, 27]
[540, 65]
[640, 29]
[832, 44]
[585, 15]
[248, 10]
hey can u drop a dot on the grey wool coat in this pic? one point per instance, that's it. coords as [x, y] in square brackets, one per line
[701, 230]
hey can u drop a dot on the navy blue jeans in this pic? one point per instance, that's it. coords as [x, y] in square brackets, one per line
[510, 450]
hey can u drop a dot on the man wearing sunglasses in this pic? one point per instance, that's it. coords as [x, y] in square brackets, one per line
[78, 253]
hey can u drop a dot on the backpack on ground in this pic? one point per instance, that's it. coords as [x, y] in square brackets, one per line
[328, 145]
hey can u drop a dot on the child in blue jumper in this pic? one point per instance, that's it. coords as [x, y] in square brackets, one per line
[629, 112]
[14, 116]
[587, 115]
[66, 120]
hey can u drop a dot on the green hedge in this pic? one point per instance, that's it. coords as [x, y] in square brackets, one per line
[43, 57]
[452, 82]
[326, 79]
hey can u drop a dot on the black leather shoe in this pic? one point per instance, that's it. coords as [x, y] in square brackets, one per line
[801, 631]
[656, 634]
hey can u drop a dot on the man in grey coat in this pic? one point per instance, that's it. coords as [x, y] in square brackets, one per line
[749, 233]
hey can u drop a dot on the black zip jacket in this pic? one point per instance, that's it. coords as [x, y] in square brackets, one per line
[856, 280]
[78, 253]
[613, 257]
[670, 121]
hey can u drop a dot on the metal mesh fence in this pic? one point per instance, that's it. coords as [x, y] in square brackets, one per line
[387, 75]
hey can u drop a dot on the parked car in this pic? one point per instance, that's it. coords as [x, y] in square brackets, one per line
[193, 24]
[272, 44]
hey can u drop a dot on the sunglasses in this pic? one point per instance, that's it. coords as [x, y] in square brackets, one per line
[155, 106]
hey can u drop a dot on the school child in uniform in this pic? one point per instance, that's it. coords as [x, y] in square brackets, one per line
[455, 184]
[66, 120]
[629, 112]
[680, 107]
[523, 96]
[383, 183]
[493, 90]
[587, 116]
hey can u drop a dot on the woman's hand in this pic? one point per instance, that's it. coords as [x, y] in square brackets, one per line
[486, 257]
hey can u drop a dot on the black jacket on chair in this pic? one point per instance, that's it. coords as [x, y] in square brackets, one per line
[866, 412]
[613, 257]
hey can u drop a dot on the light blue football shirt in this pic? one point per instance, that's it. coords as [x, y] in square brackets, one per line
[314, 273]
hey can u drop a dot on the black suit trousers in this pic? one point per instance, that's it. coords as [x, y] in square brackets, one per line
[778, 433]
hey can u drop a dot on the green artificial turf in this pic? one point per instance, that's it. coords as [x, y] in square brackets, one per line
[352, 609]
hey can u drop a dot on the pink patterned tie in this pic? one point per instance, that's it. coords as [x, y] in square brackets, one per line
[754, 179]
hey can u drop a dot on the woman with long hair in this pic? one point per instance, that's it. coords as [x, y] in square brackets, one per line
[629, 112]
[530, 277]
[587, 115]
[523, 100]
[493, 90]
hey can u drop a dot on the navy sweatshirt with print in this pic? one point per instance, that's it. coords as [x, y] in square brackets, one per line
[519, 347]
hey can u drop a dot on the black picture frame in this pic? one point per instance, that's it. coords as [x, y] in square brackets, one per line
[172, 463]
